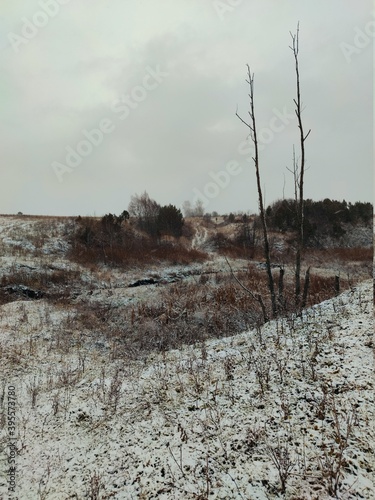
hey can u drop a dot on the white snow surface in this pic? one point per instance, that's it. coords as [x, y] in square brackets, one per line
[199, 422]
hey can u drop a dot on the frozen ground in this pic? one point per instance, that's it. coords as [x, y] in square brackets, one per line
[282, 411]
[212, 421]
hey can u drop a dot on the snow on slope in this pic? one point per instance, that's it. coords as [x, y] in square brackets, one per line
[212, 421]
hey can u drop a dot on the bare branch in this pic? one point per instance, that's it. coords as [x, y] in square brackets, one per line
[243, 121]
[239, 282]
[307, 135]
[256, 297]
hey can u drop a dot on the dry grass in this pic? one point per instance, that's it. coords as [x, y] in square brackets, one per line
[52, 283]
[342, 255]
[125, 247]
[139, 254]
[33, 235]
[323, 288]
[38, 217]
[189, 312]
[354, 254]
[182, 314]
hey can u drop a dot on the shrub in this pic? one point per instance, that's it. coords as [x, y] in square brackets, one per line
[108, 242]
[170, 221]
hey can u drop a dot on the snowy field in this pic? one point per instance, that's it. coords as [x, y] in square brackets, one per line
[218, 421]
[285, 410]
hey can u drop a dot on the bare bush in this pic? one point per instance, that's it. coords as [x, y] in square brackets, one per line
[33, 389]
[94, 487]
[332, 461]
[110, 389]
[280, 456]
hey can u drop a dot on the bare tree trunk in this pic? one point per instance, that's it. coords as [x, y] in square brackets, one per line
[301, 174]
[281, 298]
[306, 288]
[337, 285]
[253, 134]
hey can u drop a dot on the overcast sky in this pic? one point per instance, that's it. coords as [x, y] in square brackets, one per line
[102, 100]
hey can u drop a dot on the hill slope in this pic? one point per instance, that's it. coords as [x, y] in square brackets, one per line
[290, 402]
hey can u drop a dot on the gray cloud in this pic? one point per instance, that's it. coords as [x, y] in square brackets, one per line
[67, 78]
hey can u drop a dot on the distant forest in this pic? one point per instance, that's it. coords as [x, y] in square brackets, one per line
[326, 217]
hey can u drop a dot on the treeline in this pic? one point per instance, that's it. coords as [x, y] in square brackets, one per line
[321, 218]
[154, 219]
[133, 237]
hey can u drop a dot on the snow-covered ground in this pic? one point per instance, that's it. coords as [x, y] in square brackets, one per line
[282, 411]
[214, 421]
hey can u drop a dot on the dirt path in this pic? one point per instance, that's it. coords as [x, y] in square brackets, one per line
[200, 238]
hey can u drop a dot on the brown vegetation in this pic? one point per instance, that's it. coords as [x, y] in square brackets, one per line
[122, 245]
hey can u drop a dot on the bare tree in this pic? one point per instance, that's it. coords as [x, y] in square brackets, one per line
[299, 174]
[253, 134]
[198, 209]
[146, 211]
[187, 208]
